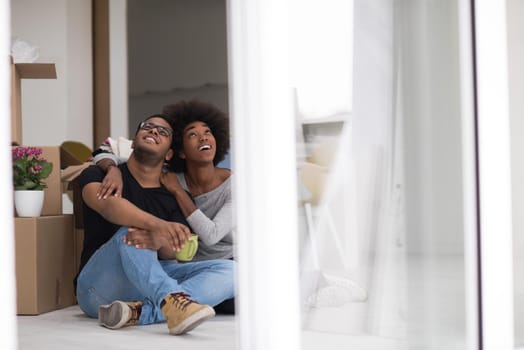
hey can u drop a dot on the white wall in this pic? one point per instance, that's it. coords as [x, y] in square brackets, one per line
[118, 67]
[57, 110]
[516, 108]
[430, 109]
[177, 49]
[174, 44]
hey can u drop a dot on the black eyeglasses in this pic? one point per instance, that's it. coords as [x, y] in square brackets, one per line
[163, 131]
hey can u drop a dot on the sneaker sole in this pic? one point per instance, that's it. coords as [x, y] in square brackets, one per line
[114, 315]
[193, 321]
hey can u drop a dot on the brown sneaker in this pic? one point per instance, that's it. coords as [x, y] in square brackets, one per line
[119, 314]
[184, 314]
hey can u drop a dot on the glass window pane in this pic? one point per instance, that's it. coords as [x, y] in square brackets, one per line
[380, 169]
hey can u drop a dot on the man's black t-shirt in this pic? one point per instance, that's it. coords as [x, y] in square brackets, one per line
[157, 201]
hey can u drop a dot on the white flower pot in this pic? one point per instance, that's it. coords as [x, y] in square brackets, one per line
[29, 203]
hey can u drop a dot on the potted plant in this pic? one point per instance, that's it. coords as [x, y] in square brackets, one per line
[29, 172]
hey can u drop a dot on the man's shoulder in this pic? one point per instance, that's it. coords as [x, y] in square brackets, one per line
[92, 169]
[91, 174]
[95, 170]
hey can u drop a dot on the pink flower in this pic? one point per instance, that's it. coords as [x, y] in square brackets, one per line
[29, 170]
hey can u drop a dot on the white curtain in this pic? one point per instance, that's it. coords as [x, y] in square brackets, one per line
[377, 153]
[358, 229]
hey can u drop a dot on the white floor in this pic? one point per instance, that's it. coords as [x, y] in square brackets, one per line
[69, 328]
[328, 328]
[433, 318]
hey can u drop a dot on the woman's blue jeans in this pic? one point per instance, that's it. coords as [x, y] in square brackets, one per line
[118, 271]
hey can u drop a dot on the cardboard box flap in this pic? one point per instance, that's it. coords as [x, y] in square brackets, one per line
[74, 153]
[36, 70]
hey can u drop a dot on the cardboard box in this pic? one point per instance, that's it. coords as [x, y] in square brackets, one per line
[79, 245]
[74, 153]
[24, 71]
[45, 265]
[53, 192]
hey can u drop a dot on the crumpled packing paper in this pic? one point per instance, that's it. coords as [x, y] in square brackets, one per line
[23, 52]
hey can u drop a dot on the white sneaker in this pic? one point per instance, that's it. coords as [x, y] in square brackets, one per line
[358, 293]
[119, 314]
[339, 291]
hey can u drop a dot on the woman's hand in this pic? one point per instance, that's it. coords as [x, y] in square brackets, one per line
[170, 181]
[186, 204]
[112, 184]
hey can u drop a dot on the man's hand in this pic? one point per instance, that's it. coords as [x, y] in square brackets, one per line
[143, 239]
[169, 236]
[112, 184]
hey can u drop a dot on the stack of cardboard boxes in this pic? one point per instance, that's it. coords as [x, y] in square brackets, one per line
[45, 245]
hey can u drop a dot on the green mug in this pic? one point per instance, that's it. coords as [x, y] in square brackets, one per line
[190, 248]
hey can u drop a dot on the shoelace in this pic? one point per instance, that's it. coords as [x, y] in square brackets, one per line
[180, 300]
[136, 309]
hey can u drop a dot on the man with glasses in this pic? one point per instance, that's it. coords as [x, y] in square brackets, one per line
[124, 283]
[166, 132]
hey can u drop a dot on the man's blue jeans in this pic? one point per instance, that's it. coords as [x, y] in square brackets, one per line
[118, 271]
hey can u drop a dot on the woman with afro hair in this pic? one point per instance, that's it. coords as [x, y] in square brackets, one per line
[201, 188]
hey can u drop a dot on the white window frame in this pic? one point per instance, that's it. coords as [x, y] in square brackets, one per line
[8, 340]
[490, 308]
[494, 166]
[265, 183]
[265, 177]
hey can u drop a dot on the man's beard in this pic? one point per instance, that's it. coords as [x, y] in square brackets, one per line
[147, 156]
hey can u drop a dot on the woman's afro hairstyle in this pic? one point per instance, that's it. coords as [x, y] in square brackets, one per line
[184, 113]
